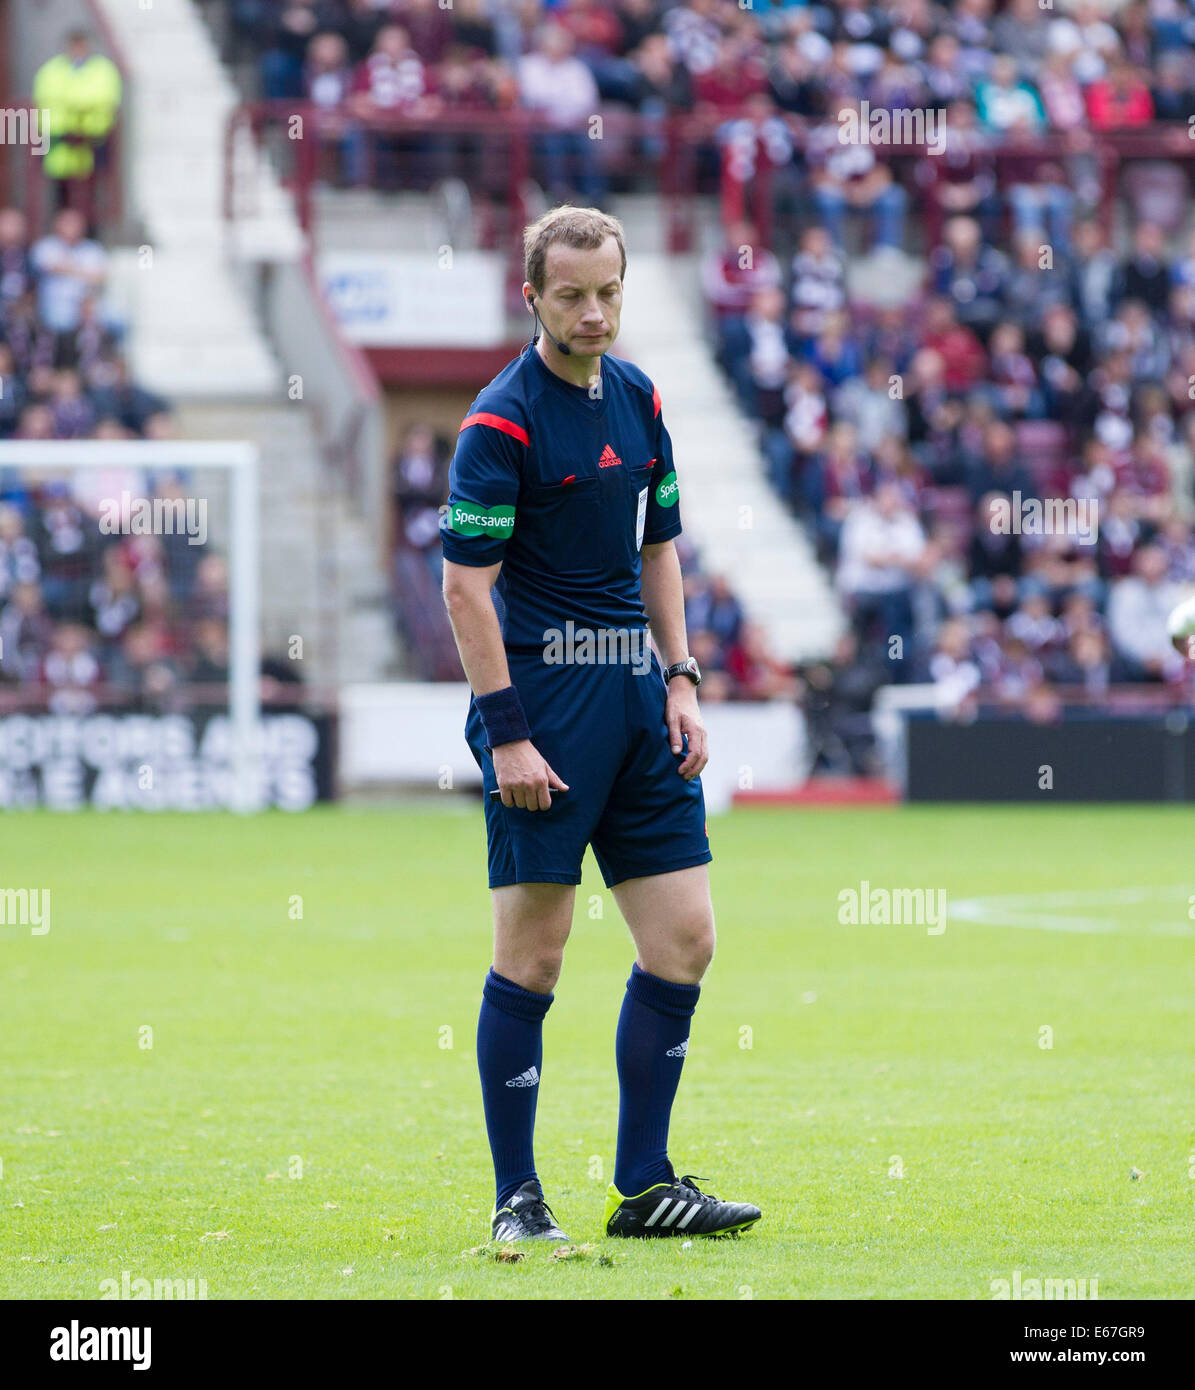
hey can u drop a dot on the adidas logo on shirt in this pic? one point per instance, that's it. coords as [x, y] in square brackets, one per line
[681, 1051]
[609, 458]
[530, 1077]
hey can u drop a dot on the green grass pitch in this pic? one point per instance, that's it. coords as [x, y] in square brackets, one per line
[307, 1122]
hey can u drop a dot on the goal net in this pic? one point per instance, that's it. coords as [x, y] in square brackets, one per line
[129, 628]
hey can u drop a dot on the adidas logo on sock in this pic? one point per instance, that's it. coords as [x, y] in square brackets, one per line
[530, 1077]
[681, 1051]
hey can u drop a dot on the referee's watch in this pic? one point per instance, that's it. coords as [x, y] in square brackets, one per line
[688, 667]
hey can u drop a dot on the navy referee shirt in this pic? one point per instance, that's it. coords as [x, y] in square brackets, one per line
[564, 485]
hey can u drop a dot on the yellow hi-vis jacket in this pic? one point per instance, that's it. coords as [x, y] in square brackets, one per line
[82, 103]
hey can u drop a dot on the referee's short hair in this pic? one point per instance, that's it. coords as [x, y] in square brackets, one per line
[584, 229]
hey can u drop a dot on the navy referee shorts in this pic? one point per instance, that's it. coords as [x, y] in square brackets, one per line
[602, 730]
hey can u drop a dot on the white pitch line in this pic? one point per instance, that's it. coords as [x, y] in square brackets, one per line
[1024, 910]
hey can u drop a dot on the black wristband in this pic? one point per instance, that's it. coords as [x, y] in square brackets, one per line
[502, 714]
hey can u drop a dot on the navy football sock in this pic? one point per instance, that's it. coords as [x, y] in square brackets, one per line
[650, 1047]
[509, 1057]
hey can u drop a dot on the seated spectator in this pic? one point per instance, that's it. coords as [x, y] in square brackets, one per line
[708, 651]
[392, 79]
[1120, 533]
[733, 276]
[1063, 350]
[1138, 609]
[713, 606]
[957, 346]
[880, 554]
[74, 415]
[1173, 91]
[1086, 662]
[557, 85]
[962, 179]
[757, 355]
[756, 673]
[1061, 93]
[16, 267]
[1019, 32]
[1035, 626]
[868, 403]
[1085, 39]
[1121, 100]
[736, 74]
[846, 177]
[996, 558]
[1144, 275]
[284, 31]
[19, 562]
[1008, 104]
[1042, 204]
[26, 631]
[836, 352]
[71, 672]
[328, 81]
[818, 283]
[116, 397]
[970, 274]
[1013, 376]
[998, 469]
[841, 477]
[1031, 284]
[953, 670]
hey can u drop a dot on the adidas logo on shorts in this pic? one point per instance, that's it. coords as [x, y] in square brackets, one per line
[530, 1077]
[681, 1051]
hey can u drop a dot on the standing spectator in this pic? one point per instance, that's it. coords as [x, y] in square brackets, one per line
[71, 269]
[81, 91]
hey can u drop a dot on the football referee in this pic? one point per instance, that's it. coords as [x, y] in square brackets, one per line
[558, 551]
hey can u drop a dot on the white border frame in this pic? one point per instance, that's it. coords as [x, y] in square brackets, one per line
[244, 535]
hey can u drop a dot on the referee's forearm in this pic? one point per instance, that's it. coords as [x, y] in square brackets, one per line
[478, 640]
[664, 599]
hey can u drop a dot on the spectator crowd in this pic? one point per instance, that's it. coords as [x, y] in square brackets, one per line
[87, 618]
[1044, 351]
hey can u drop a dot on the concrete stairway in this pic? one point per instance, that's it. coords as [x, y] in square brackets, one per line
[194, 328]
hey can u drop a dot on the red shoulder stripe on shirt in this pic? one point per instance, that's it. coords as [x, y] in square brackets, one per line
[498, 423]
[655, 397]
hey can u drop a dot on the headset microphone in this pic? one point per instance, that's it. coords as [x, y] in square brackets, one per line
[562, 348]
